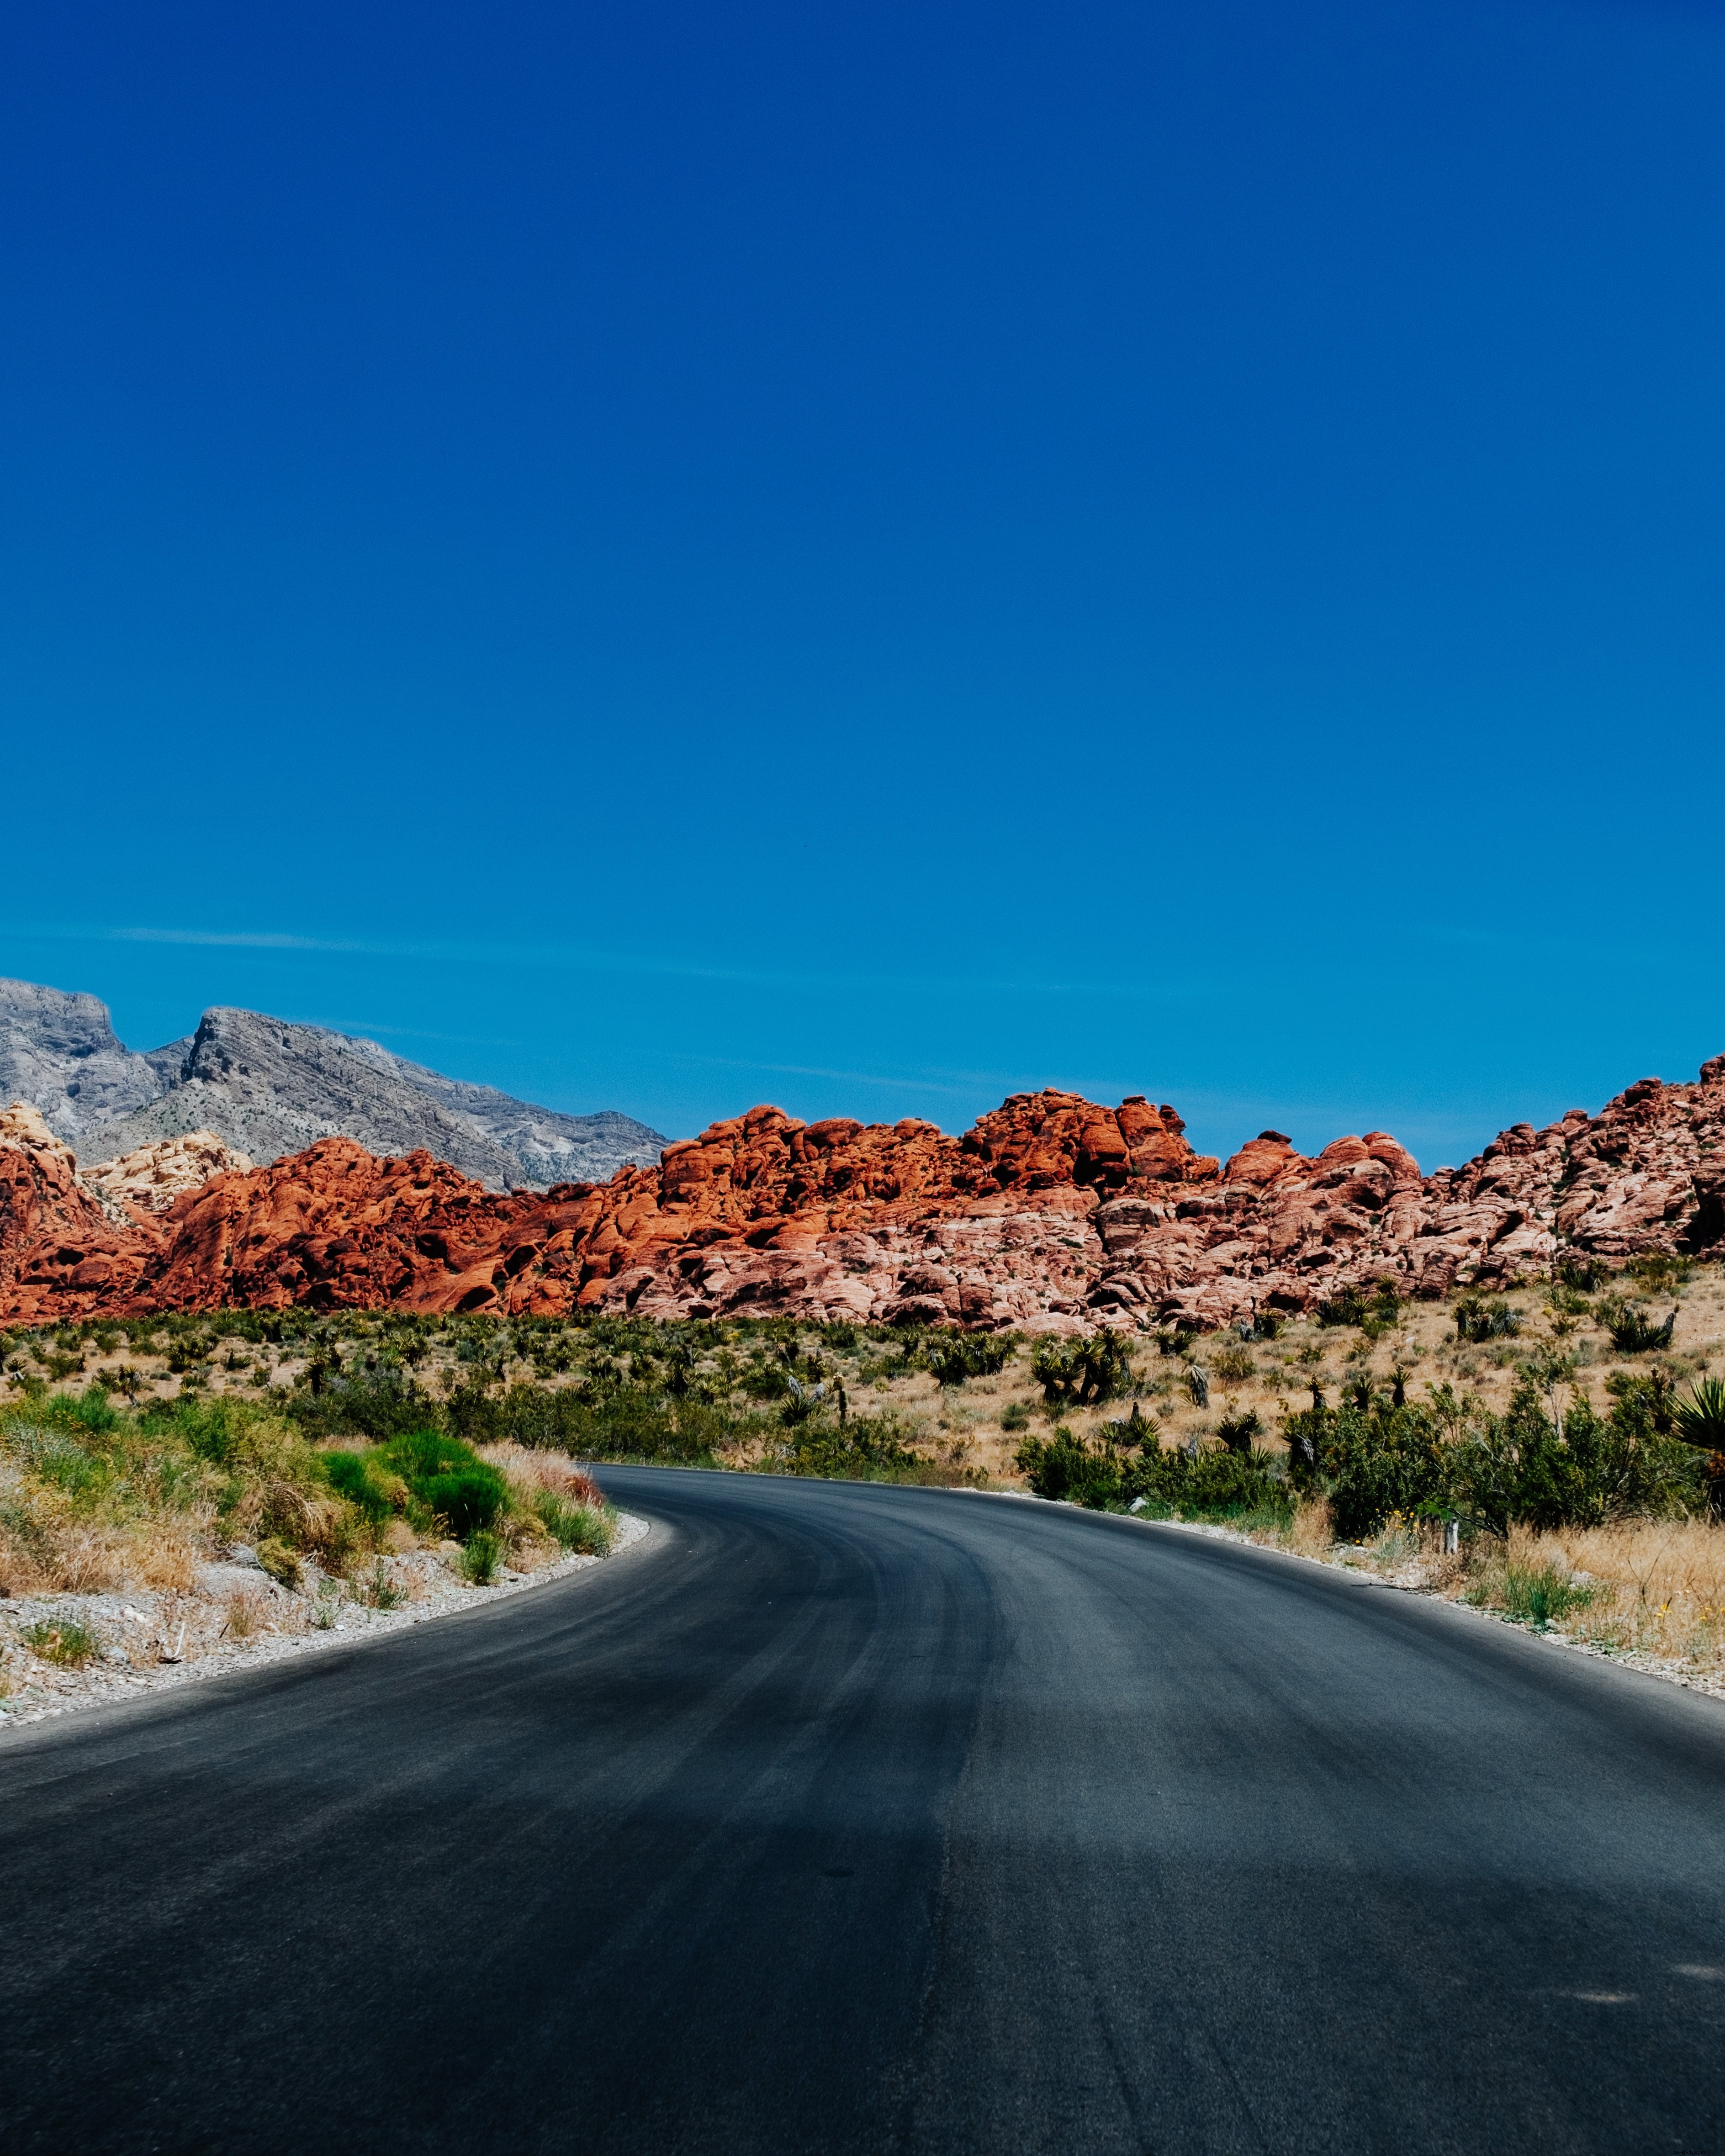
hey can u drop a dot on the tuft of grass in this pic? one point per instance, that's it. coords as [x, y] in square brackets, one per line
[380, 1591]
[1536, 1594]
[245, 1613]
[584, 1529]
[63, 1640]
[482, 1557]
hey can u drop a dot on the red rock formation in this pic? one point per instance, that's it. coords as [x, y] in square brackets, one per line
[1050, 1213]
[60, 1255]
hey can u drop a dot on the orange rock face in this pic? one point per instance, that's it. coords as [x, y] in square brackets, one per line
[60, 1255]
[1050, 1213]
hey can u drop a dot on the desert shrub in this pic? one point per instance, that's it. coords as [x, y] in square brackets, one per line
[1062, 1466]
[1480, 1318]
[867, 1448]
[1137, 1430]
[609, 1420]
[1539, 1594]
[1211, 1482]
[1521, 1468]
[1659, 1272]
[377, 1403]
[1015, 1416]
[65, 1641]
[380, 1590]
[1083, 1373]
[953, 1357]
[373, 1491]
[447, 1477]
[1347, 1307]
[1576, 1270]
[1375, 1461]
[1700, 1421]
[1237, 1431]
[1232, 1365]
[1633, 1332]
[1352, 1306]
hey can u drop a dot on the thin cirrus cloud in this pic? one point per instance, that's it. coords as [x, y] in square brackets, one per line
[585, 959]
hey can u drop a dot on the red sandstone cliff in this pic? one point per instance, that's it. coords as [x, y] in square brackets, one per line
[1051, 1213]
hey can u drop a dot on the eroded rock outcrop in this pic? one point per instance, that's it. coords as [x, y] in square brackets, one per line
[149, 1179]
[60, 1253]
[1052, 1213]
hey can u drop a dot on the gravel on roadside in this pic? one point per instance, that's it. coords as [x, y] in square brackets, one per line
[235, 1617]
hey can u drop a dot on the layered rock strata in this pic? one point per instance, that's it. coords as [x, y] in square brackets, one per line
[1051, 1213]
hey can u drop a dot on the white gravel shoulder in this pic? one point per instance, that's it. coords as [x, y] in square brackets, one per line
[156, 1642]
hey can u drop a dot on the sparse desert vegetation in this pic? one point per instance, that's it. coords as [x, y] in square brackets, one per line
[1566, 1430]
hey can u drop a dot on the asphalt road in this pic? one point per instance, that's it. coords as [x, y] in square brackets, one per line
[838, 1818]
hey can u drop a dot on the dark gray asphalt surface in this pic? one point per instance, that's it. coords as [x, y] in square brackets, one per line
[850, 1819]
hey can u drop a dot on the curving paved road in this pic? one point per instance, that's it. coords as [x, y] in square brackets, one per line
[852, 1818]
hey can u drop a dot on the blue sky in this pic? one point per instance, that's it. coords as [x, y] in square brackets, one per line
[665, 556]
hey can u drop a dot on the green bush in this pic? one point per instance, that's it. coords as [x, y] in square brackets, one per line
[449, 1479]
[868, 1448]
[1375, 1460]
[1541, 1595]
[1520, 1468]
[1063, 1467]
[353, 1476]
[1211, 1483]
[376, 1404]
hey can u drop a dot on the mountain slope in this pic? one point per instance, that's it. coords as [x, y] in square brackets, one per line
[269, 1088]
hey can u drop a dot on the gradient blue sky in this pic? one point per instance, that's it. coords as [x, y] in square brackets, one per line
[662, 557]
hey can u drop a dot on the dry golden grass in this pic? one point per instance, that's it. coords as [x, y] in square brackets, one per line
[1312, 1530]
[163, 1555]
[1658, 1585]
[528, 1472]
[248, 1613]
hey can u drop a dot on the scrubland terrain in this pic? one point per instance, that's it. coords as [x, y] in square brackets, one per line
[137, 1543]
[240, 1474]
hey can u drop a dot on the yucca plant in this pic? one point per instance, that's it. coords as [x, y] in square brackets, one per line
[1701, 1419]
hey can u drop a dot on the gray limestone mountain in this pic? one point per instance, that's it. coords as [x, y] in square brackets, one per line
[270, 1088]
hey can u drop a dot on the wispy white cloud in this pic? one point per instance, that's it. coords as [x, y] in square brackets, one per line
[1192, 986]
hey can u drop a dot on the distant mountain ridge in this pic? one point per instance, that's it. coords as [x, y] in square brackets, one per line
[269, 1088]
